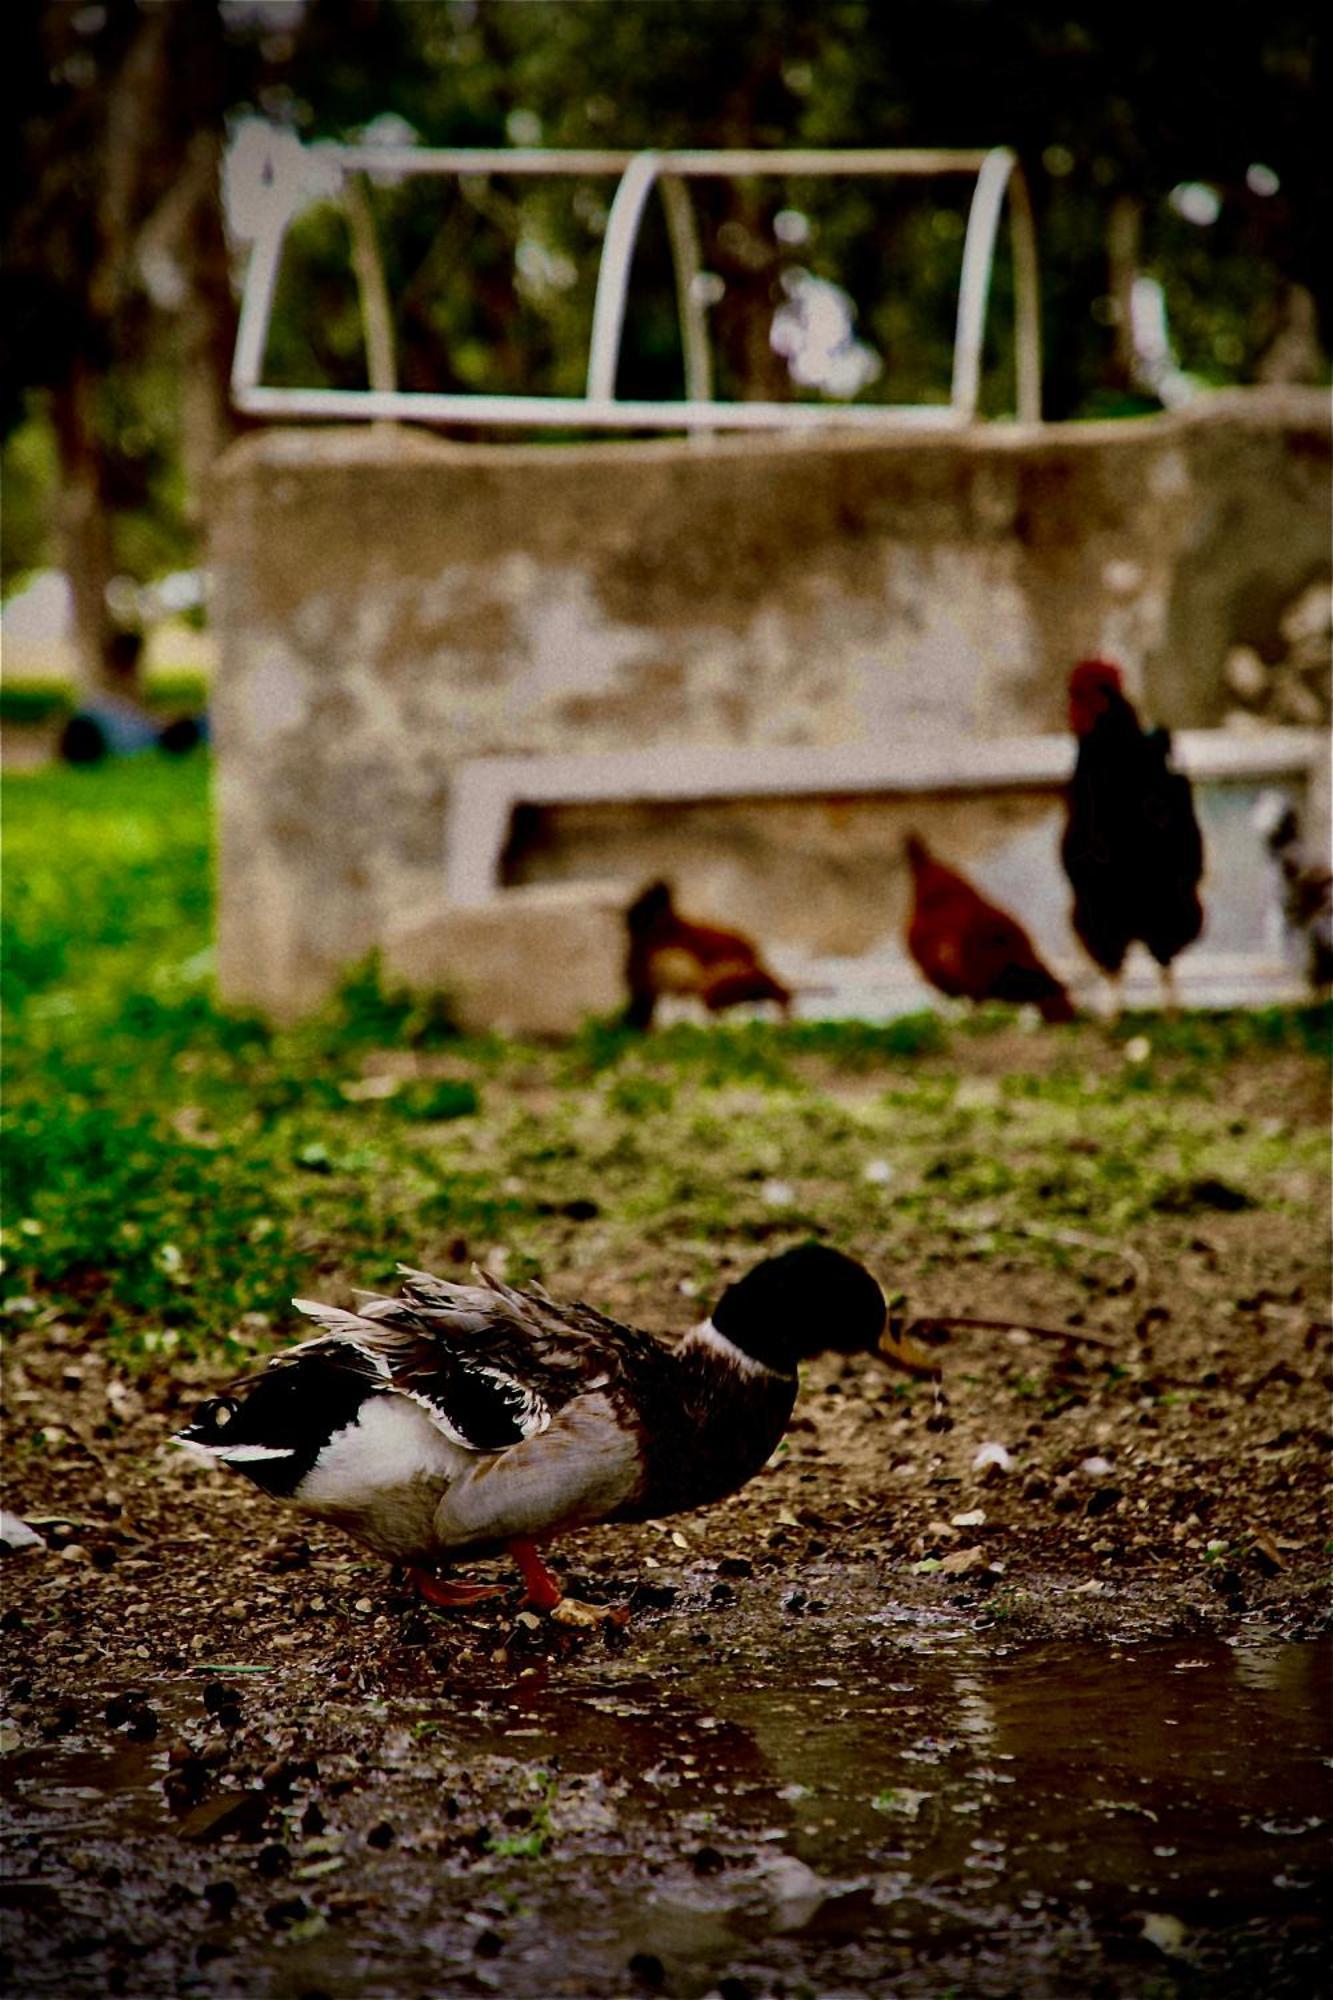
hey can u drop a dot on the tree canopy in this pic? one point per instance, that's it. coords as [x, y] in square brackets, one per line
[120, 283]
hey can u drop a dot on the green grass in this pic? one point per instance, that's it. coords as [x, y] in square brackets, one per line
[176, 1170]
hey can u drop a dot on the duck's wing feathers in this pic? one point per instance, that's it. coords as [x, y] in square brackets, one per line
[488, 1363]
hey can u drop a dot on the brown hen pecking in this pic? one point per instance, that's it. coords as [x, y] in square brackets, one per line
[669, 954]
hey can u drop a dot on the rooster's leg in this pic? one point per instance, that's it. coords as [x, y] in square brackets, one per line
[1170, 991]
[1116, 983]
[451, 1596]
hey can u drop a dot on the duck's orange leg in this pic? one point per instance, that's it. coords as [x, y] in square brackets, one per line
[452, 1596]
[543, 1593]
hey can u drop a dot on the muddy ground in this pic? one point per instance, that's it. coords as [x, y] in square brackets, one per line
[889, 1720]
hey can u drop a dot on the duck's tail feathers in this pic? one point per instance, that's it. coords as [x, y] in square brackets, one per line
[353, 1330]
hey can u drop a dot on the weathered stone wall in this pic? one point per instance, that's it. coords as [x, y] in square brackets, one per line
[388, 604]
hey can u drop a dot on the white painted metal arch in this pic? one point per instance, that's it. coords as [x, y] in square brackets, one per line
[998, 175]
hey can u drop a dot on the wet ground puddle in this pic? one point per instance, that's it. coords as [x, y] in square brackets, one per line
[906, 1800]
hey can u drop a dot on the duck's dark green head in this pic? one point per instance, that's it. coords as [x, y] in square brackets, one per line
[806, 1301]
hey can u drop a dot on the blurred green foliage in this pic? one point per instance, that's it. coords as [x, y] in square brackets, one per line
[493, 279]
[1125, 102]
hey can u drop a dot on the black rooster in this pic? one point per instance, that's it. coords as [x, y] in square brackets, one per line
[1132, 848]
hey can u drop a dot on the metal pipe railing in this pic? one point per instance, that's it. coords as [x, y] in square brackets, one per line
[998, 177]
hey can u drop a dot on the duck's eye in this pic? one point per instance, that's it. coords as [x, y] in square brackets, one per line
[222, 1414]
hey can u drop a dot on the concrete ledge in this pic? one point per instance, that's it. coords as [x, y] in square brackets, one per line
[536, 961]
[487, 791]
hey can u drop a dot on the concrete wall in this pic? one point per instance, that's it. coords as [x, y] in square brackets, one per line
[388, 604]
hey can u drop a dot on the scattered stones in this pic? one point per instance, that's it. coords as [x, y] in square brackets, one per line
[1291, 685]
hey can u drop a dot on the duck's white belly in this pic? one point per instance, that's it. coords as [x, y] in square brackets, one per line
[384, 1476]
[407, 1491]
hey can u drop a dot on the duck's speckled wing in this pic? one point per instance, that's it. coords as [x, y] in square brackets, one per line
[488, 1363]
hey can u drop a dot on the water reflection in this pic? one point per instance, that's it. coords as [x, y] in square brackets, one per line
[880, 1801]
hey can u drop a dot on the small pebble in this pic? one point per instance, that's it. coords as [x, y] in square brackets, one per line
[281, 1916]
[221, 1898]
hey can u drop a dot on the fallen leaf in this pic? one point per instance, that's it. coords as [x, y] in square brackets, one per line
[369, 1089]
[229, 1812]
[1165, 1931]
[314, 1869]
[899, 1799]
[1267, 1547]
[16, 1534]
[963, 1560]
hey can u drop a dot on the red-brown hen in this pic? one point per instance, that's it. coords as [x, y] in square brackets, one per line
[969, 948]
[668, 954]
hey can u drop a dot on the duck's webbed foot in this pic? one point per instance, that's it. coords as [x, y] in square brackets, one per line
[450, 1596]
[543, 1593]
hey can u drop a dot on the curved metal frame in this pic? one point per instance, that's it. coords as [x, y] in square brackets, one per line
[998, 174]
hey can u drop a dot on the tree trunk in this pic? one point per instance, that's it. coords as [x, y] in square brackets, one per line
[84, 525]
[1124, 259]
[207, 325]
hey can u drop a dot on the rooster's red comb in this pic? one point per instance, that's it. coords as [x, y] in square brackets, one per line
[1095, 674]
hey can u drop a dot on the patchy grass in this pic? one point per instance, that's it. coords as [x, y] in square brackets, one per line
[176, 1170]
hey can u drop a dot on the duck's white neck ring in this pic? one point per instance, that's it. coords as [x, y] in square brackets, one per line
[705, 1335]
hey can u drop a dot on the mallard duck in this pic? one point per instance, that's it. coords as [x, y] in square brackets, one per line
[465, 1419]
